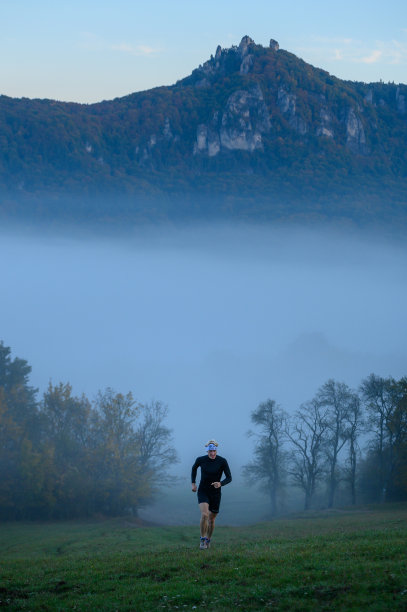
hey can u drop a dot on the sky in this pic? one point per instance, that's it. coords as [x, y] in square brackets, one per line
[92, 50]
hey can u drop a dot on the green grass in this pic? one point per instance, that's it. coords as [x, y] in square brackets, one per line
[349, 560]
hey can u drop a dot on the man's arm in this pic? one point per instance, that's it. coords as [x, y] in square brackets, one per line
[193, 474]
[228, 475]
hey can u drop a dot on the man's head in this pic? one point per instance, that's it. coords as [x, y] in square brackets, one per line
[212, 448]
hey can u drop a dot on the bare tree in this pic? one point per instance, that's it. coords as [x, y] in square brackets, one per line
[381, 397]
[156, 451]
[336, 398]
[355, 426]
[306, 433]
[399, 428]
[269, 455]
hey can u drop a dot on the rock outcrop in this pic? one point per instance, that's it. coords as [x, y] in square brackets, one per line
[244, 45]
[167, 133]
[325, 128]
[244, 120]
[239, 127]
[247, 63]
[287, 105]
[239, 57]
[207, 138]
[355, 133]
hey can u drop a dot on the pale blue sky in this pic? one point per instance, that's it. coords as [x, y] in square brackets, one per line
[89, 50]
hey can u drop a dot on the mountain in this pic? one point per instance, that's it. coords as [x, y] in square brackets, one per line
[254, 132]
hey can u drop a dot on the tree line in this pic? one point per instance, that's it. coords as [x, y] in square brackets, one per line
[342, 443]
[63, 456]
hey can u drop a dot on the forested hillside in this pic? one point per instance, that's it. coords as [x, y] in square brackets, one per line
[255, 131]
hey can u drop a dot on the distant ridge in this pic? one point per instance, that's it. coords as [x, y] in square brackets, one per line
[254, 132]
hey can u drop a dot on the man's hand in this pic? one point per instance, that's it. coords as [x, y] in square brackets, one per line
[193, 487]
[217, 485]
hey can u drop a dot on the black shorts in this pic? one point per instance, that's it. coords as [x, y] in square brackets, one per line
[210, 496]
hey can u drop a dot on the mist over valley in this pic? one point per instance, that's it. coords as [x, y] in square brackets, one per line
[211, 320]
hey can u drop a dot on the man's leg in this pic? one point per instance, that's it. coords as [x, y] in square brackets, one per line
[204, 508]
[214, 503]
[211, 526]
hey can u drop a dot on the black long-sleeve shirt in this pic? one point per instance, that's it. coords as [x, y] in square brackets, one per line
[211, 471]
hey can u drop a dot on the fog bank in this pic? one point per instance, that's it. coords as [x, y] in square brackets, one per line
[211, 321]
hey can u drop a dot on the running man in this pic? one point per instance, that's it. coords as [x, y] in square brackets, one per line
[209, 490]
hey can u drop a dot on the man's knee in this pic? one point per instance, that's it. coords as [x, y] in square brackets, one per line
[204, 511]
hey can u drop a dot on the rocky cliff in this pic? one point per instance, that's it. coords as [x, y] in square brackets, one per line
[338, 113]
[239, 126]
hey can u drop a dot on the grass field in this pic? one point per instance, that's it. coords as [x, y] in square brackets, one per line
[339, 560]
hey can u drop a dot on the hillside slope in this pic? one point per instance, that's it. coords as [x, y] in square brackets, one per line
[255, 131]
